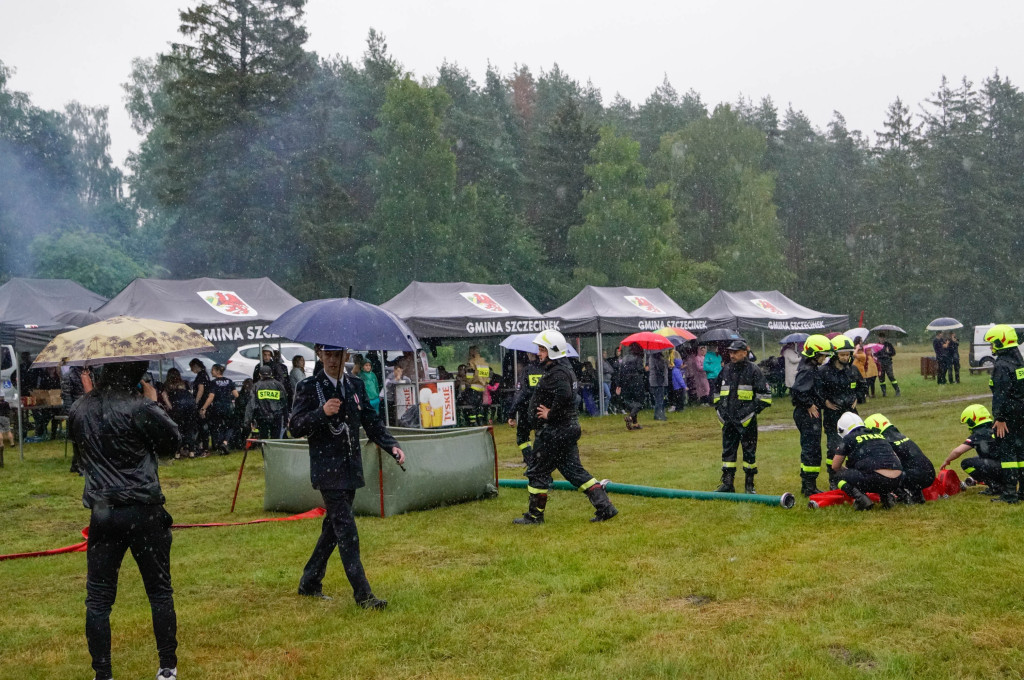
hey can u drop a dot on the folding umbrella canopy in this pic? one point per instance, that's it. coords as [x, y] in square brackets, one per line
[523, 342]
[855, 333]
[680, 333]
[718, 335]
[944, 323]
[345, 322]
[123, 338]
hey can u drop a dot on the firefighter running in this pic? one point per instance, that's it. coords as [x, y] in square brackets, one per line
[808, 404]
[743, 394]
[553, 409]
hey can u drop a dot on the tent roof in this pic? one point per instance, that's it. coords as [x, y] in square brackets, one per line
[465, 310]
[201, 302]
[622, 310]
[25, 302]
[766, 310]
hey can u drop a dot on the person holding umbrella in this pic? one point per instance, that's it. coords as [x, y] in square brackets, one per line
[884, 356]
[329, 409]
[743, 394]
[557, 431]
[631, 384]
[119, 432]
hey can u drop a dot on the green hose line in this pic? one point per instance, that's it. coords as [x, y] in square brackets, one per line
[786, 500]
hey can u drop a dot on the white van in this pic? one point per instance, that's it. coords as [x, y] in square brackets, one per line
[981, 351]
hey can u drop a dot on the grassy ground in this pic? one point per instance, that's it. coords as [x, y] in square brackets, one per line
[667, 589]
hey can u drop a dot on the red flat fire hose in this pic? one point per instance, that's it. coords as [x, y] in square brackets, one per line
[81, 547]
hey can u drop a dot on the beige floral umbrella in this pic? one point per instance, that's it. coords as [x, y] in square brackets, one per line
[122, 338]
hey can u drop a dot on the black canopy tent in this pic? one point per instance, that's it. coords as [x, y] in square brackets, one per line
[621, 309]
[228, 312]
[27, 311]
[767, 311]
[466, 310]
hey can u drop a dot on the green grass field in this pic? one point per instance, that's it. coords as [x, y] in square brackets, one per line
[669, 588]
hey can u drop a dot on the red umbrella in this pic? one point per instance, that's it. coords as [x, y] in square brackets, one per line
[648, 340]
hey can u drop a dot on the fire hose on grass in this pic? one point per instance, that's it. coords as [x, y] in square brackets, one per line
[786, 500]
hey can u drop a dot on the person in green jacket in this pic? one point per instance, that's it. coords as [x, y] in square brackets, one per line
[372, 385]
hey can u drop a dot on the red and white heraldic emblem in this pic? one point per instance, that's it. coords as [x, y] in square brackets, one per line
[485, 302]
[644, 304]
[767, 306]
[227, 302]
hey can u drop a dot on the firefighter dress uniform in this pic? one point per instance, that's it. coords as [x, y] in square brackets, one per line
[554, 444]
[743, 394]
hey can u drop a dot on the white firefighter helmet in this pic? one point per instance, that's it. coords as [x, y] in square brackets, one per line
[847, 422]
[554, 342]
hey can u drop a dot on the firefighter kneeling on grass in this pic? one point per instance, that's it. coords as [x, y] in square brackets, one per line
[872, 465]
[986, 467]
[553, 409]
[743, 394]
[918, 471]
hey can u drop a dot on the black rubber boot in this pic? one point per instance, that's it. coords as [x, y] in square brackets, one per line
[896, 389]
[748, 485]
[603, 508]
[373, 602]
[917, 497]
[728, 476]
[809, 485]
[535, 515]
[833, 481]
[888, 500]
[905, 496]
[883, 386]
[860, 501]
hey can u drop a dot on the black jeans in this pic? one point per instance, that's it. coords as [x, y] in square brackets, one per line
[338, 530]
[146, 531]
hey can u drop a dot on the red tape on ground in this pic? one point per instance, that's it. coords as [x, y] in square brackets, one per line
[81, 547]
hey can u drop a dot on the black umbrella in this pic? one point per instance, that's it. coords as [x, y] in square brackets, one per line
[718, 335]
[944, 323]
[888, 328]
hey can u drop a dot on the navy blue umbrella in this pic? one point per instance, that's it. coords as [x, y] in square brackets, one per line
[523, 342]
[345, 322]
[798, 338]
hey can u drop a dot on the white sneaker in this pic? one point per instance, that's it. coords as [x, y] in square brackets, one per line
[165, 673]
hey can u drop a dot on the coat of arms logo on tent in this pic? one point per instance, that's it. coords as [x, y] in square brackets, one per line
[227, 302]
[767, 306]
[485, 302]
[644, 304]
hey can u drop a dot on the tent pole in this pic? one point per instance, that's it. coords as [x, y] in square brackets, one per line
[383, 377]
[21, 403]
[599, 358]
[763, 355]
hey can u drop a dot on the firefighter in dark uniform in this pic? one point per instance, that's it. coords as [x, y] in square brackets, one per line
[986, 467]
[267, 406]
[1007, 385]
[328, 409]
[918, 471]
[884, 357]
[743, 393]
[520, 407]
[808, 404]
[872, 465]
[839, 381]
[557, 429]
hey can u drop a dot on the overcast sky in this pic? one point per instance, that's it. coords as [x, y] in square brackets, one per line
[820, 57]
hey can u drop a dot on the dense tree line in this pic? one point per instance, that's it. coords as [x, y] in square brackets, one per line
[262, 158]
